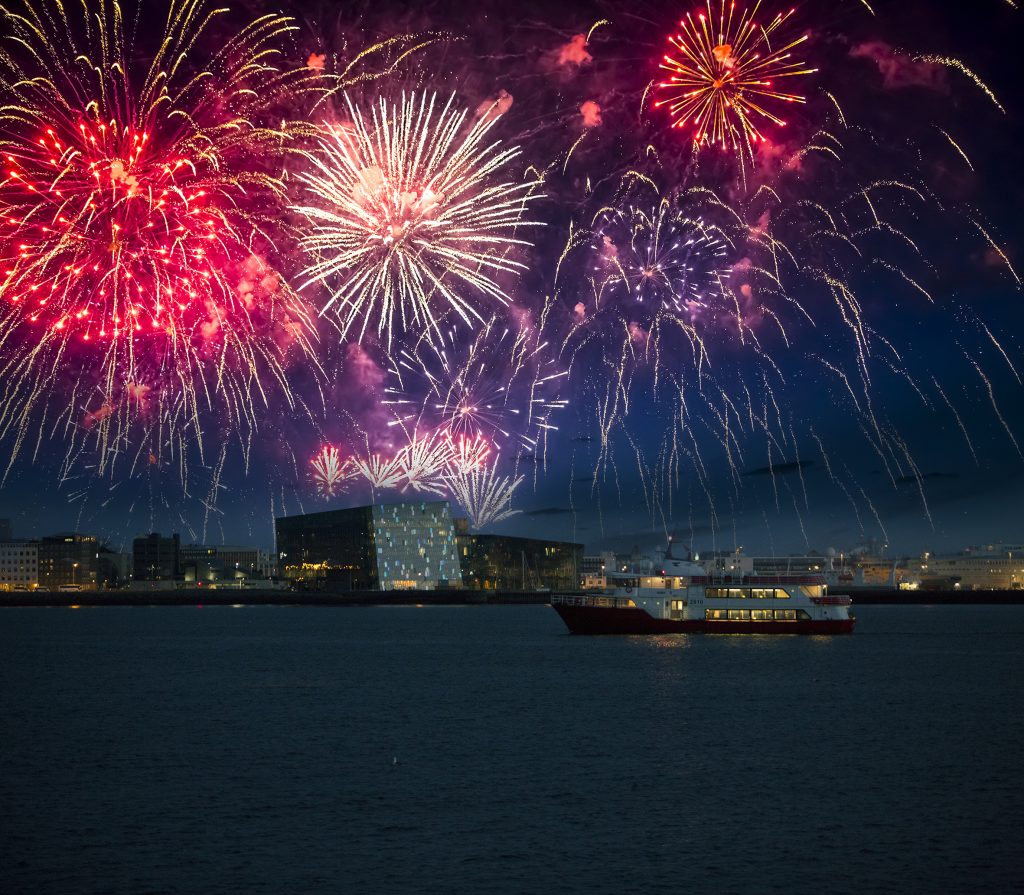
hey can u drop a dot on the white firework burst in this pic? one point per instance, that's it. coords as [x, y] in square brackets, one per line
[423, 460]
[330, 470]
[409, 207]
[484, 495]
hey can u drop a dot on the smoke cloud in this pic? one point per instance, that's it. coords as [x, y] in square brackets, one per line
[591, 113]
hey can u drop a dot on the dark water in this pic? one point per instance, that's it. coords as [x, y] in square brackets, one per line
[251, 750]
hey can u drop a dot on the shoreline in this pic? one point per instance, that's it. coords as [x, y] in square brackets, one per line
[207, 597]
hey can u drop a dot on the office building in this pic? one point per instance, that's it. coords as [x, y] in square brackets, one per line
[594, 570]
[68, 559]
[156, 558]
[394, 546]
[113, 569]
[209, 563]
[497, 562]
[19, 565]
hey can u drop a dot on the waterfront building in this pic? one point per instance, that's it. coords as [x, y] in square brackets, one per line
[394, 546]
[156, 558]
[19, 565]
[113, 569]
[209, 563]
[987, 567]
[595, 568]
[68, 560]
[499, 562]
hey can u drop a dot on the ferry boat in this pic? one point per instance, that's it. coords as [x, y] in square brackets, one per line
[682, 597]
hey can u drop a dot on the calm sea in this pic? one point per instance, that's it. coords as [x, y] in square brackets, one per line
[482, 749]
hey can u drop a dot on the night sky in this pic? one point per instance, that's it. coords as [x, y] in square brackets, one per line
[884, 459]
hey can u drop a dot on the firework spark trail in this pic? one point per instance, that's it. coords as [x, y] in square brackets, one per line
[406, 208]
[1001, 350]
[484, 495]
[956, 146]
[959, 421]
[722, 79]
[995, 406]
[956, 64]
[997, 249]
[853, 504]
[133, 208]
[874, 512]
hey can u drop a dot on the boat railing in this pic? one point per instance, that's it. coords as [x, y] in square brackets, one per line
[592, 600]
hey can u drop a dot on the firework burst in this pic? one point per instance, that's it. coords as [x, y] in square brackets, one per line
[330, 470]
[423, 460]
[379, 471]
[503, 386]
[133, 247]
[468, 454]
[407, 209]
[722, 78]
[484, 495]
[661, 258]
[658, 281]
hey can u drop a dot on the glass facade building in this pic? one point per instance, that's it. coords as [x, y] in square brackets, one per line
[498, 562]
[395, 546]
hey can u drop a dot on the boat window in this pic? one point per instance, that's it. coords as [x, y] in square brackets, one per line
[734, 615]
[745, 615]
[716, 615]
[781, 594]
[737, 593]
[802, 615]
[762, 593]
[811, 590]
[677, 604]
[785, 615]
[760, 615]
[715, 593]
